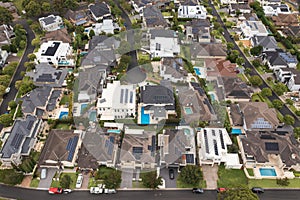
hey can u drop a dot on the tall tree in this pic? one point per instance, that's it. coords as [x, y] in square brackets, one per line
[255, 80]
[277, 104]
[241, 193]
[6, 120]
[65, 181]
[266, 92]
[289, 120]
[33, 9]
[113, 179]
[191, 174]
[5, 16]
[150, 180]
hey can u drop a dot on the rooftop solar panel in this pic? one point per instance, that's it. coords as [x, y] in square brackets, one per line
[271, 146]
[131, 97]
[267, 137]
[189, 158]
[17, 140]
[69, 144]
[222, 140]
[216, 147]
[30, 124]
[206, 142]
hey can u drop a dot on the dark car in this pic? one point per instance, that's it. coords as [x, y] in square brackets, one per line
[171, 174]
[258, 190]
[198, 190]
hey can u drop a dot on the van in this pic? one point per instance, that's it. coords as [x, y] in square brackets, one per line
[43, 173]
[79, 181]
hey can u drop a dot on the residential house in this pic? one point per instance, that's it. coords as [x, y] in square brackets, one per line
[198, 30]
[292, 31]
[269, 2]
[294, 82]
[117, 101]
[286, 20]
[172, 69]
[6, 34]
[57, 35]
[269, 149]
[61, 149]
[139, 5]
[211, 50]
[253, 28]
[153, 18]
[51, 23]
[21, 140]
[177, 148]
[55, 53]
[195, 106]
[290, 77]
[192, 9]
[275, 10]
[138, 150]
[46, 75]
[234, 89]
[156, 103]
[267, 42]
[100, 11]
[279, 59]
[107, 26]
[77, 18]
[219, 67]
[164, 43]
[227, 2]
[241, 8]
[40, 101]
[213, 150]
[257, 116]
[3, 57]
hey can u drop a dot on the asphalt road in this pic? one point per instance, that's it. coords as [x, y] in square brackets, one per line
[284, 110]
[17, 76]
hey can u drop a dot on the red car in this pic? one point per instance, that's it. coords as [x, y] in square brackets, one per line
[54, 190]
[222, 189]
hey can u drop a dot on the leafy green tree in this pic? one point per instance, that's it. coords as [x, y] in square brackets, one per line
[230, 45]
[248, 71]
[233, 55]
[290, 102]
[22, 44]
[277, 104]
[266, 92]
[6, 120]
[92, 33]
[71, 4]
[29, 66]
[36, 42]
[5, 16]
[11, 177]
[256, 63]
[241, 193]
[33, 9]
[190, 174]
[297, 132]
[4, 80]
[10, 68]
[289, 120]
[240, 61]
[12, 104]
[280, 88]
[113, 179]
[256, 51]
[31, 56]
[65, 181]
[46, 7]
[150, 180]
[2, 90]
[255, 80]
[283, 181]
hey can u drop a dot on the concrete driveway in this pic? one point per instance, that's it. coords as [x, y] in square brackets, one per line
[210, 175]
[164, 173]
[127, 175]
[46, 183]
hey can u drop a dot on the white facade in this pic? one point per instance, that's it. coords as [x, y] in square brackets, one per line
[107, 26]
[196, 12]
[117, 101]
[269, 2]
[161, 46]
[293, 84]
[3, 57]
[139, 8]
[253, 28]
[51, 23]
[55, 53]
[228, 2]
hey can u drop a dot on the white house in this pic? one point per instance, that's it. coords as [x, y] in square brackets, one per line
[55, 53]
[213, 142]
[139, 5]
[274, 10]
[107, 26]
[187, 11]
[294, 82]
[269, 2]
[117, 101]
[51, 23]
[164, 43]
[253, 28]
[99, 11]
[289, 76]
[3, 57]
[228, 2]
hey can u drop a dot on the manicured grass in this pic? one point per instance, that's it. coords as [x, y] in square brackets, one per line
[166, 14]
[93, 182]
[250, 172]
[62, 126]
[231, 177]
[142, 56]
[137, 184]
[202, 184]
[242, 77]
[73, 182]
[64, 100]
[271, 183]
[34, 183]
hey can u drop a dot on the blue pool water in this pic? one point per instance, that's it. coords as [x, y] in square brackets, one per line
[197, 71]
[114, 131]
[267, 172]
[236, 131]
[63, 114]
[93, 116]
[188, 110]
[212, 96]
[145, 118]
[82, 107]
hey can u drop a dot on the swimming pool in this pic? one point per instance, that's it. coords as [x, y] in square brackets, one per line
[188, 110]
[93, 116]
[197, 71]
[117, 131]
[267, 172]
[63, 114]
[145, 118]
[83, 107]
[212, 96]
[236, 131]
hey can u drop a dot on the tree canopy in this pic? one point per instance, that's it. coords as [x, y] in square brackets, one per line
[6, 120]
[266, 92]
[150, 180]
[288, 120]
[5, 16]
[277, 104]
[65, 181]
[241, 193]
[190, 174]
[113, 179]
[255, 80]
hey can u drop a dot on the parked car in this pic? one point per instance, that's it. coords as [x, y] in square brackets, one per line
[67, 191]
[110, 191]
[43, 173]
[198, 190]
[258, 190]
[171, 174]
[222, 189]
[7, 90]
[54, 190]
[96, 190]
[79, 181]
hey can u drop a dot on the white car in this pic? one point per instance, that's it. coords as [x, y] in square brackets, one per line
[43, 173]
[67, 191]
[96, 190]
[110, 191]
[7, 90]
[79, 181]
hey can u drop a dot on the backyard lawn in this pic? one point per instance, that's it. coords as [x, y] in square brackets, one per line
[250, 172]
[63, 126]
[202, 184]
[231, 177]
[64, 100]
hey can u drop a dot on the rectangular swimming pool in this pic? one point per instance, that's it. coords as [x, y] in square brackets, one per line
[197, 71]
[145, 118]
[236, 131]
[93, 116]
[188, 110]
[83, 107]
[267, 172]
[117, 131]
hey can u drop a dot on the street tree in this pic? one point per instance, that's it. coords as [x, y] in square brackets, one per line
[290, 102]
[92, 33]
[266, 92]
[277, 104]
[190, 174]
[230, 45]
[65, 181]
[6, 120]
[113, 179]
[150, 180]
[12, 104]
[256, 63]
[5, 16]
[240, 60]
[4, 80]
[256, 51]
[297, 132]
[289, 120]
[31, 57]
[280, 89]
[255, 80]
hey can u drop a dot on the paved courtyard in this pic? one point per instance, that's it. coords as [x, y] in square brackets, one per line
[169, 183]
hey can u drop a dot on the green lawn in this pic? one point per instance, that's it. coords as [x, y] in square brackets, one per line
[18, 4]
[64, 100]
[166, 14]
[231, 177]
[137, 184]
[250, 172]
[73, 178]
[202, 184]
[34, 183]
[62, 126]
[93, 182]
[297, 174]
[271, 183]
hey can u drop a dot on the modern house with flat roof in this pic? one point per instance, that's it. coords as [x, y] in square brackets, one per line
[51, 23]
[252, 28]
[55, 53]
[214, 142]
[195, 11]
[21, 140]
[99, 11]
[117, 101]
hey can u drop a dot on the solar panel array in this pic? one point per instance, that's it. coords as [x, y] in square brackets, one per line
[189, 158]
[216, 147]
[267, 137]
[131, 97]
[271, 146]
[71, 146]
[287, 57]
[110, 145]
[29, 125]
[17, 140]
[45, 78]
[126, 96]
[222, 139]
[137, 152]
[206, 141]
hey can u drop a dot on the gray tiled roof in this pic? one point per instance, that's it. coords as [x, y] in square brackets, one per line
[265, 41]
[154, 17]
[162, 33]
[156, 94]
[99, 9]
